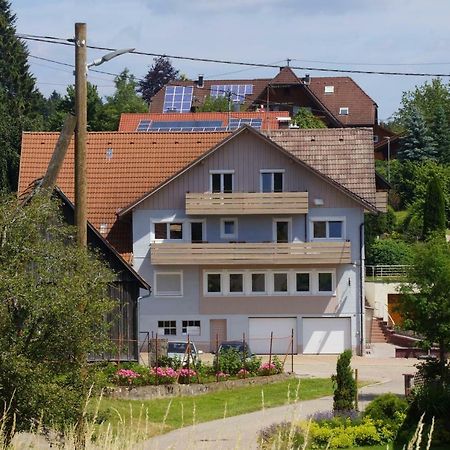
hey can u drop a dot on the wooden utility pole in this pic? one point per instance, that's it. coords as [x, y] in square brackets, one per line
[80, 133]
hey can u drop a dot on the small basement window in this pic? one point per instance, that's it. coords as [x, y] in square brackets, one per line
[167, 327]
[191, 327]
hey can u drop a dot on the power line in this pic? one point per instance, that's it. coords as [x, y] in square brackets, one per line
[63, 41]
[372, 64]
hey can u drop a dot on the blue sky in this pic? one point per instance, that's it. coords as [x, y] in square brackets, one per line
[395, 35]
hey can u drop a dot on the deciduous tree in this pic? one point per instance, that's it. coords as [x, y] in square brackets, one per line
[161, 72]
[306, 119]
[53, 301]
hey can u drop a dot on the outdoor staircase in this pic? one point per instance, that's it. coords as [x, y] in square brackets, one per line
[379, 332]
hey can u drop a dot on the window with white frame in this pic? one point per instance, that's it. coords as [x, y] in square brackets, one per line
[258, 283]
[325, 282]
[222, 181]
[328, 228]
[213, 283]
[228, 228]
[168, 231]
[280, 283]
[236, 283]
[329, 89]
[343, 111]
[290, 282]
[191, 327]
[303, 282]
[167, 327]
[272, 180]
[168, 284]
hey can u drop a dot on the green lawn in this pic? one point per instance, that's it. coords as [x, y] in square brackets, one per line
[160, 415]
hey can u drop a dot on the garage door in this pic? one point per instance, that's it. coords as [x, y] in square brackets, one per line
[330, 336]
[281, 327]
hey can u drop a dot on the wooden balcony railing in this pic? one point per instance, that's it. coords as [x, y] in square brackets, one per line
[306, 253]
[247, 203]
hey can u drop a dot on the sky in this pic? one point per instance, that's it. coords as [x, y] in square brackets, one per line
[383, 35]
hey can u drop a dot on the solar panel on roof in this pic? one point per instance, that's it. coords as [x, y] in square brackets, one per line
[178, 98]
[179, 125]
[238, 91]
[254, 122]
[143, 125]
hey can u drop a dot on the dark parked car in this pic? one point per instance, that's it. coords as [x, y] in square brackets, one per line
[239, 346]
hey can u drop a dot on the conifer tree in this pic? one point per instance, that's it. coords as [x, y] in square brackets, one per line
[417, 143]
[440, 132]
[19, 96]
[344, 384]
[434, 219]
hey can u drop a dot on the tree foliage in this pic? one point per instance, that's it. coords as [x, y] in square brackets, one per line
[53, 301]
[388, 252]
[19, 98]
[215, 104]
[306, 119]
[417, 143]
[344, 384]
[160, 73]
[425, 303]
[434, 219]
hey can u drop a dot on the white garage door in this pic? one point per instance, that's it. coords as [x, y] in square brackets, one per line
[326, 335]
[259, 334]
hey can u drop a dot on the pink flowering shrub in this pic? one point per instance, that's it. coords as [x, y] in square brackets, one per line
[126, 377]
[163, 375]
[186, 375]
[271, 368]
[244, 374]
[221, 376]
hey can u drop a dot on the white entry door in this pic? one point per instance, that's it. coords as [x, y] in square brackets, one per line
[326, 335]
[260, 329]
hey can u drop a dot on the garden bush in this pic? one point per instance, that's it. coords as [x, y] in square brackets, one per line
[388, 252]
[231, 362]
[387, 407]
[344, 384]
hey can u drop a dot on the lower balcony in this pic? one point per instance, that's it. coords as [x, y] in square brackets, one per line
[243, 253]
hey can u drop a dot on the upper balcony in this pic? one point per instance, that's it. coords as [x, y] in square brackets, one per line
[238, 203]
[230, 254]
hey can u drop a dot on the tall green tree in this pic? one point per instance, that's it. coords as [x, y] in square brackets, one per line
[440, 133]
[425, 303]
[417, 144]
[19, 96]
[160, 73]
[53, 302]
[434, 220]
[124, 100]
[344, 384]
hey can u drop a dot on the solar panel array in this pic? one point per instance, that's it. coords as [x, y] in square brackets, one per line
[178, 99]
[197, 125]
[234, 124]
[238, 91]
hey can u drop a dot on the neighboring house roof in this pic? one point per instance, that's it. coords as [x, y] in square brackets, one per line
[130, 121]
[362, 110]
[343, 158]
[124, 167]
[121, 167]
[343, 154]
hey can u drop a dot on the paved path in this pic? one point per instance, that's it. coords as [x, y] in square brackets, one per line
[240, 432]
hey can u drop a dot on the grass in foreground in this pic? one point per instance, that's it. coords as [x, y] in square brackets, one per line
[161, 415]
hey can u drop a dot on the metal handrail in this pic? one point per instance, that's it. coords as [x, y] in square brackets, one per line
[384, 271]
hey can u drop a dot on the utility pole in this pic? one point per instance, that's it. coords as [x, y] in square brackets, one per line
[80, 133]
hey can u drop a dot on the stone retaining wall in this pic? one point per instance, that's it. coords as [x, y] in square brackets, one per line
[173, 390]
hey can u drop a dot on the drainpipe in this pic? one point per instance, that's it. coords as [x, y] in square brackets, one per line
[138, 318]
[361, 300]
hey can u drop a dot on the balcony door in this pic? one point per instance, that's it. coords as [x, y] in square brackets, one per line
[282, 231]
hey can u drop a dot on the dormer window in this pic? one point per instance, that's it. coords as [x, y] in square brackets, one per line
[343, 111]
[329, 89]
[222, 181]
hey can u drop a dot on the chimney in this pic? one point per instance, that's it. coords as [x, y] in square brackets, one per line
[200, 81]
[306, 79]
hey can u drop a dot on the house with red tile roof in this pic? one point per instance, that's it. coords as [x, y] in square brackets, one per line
[244, 232]
[338, 101]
